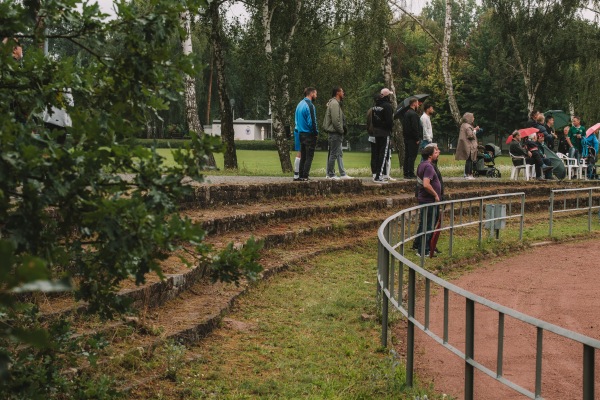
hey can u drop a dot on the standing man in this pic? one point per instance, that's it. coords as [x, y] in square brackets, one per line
[429, 191]
[426, 124]
[576, 135]
[549, 125]
[382, 118]
[335, 126]
[411, 125]
[533, 116]
[306, 124]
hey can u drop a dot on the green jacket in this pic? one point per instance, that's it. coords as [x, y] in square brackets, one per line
[334, 121]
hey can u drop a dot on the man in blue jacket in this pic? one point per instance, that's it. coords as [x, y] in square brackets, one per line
[306, 124]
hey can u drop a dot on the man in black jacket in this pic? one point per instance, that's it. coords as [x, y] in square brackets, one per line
[383, 122]
[413, 132]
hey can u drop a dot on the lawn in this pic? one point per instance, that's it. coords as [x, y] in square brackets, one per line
[266, 163]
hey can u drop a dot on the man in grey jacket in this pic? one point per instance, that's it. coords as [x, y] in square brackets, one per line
[335, 126]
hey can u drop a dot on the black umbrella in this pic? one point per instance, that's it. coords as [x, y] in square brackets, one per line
[402, 107]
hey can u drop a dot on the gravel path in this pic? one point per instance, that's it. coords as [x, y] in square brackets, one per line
[557, 283]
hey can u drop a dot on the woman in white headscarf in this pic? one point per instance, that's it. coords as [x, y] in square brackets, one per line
[467, 144]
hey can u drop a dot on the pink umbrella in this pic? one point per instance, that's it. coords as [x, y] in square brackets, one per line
[528, 131]
[592, 129]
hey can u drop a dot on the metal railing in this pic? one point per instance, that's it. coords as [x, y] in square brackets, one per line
[393, 235]
[572, 200]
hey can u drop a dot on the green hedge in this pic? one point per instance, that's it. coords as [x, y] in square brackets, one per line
[239, 144]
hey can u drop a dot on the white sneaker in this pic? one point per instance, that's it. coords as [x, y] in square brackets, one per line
[469, 177]
[379, 181]
[333, 178]
[346, 177]
[389, 178]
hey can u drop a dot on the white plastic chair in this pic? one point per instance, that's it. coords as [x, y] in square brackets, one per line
[528, 169]
[571, 165]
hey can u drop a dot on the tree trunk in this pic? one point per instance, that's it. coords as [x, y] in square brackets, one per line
[388, 77]
[446, 64]
[227, 132]
[279, 104]
[191, 106]
[209, 95]
[530, 89]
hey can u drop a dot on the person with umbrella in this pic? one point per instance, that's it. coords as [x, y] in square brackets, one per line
[411, 125]
[466, 148]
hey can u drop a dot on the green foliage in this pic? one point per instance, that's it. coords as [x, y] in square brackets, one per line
[89, 204]
[175, 357]
[231, 266]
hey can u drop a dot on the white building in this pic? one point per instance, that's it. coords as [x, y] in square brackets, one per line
[246, 129]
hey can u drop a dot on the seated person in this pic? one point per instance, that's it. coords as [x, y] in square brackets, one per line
[541, 139]
[519, 149]
[533, 147]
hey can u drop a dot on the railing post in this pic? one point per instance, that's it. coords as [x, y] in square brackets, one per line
[480, 238]
[400, 263]
[500, 355]
[551, 211]
[410, 331]
[424, 211]
[588, 372]
[522, 217]
[590, 211]
[451, 238]
[469, 348]
[385, 276]
[538, 363]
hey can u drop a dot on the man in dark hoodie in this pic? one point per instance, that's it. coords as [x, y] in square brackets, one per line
[413, 132]
[383, 122]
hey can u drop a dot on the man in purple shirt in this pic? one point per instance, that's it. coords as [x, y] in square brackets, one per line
[429, 191]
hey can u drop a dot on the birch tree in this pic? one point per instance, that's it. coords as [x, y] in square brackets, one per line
[189, 87]
[278, 77]
[446, 64]
[444, 46]
[388, 79]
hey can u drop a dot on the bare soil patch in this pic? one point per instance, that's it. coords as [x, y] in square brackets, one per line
[557, 283]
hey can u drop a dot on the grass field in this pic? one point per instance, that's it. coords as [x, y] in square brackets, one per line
[266, 163]
[310, 332]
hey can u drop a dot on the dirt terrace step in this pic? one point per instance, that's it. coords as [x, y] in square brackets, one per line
[196, 312]
[366, 214]
[207, 196]
[247, 216]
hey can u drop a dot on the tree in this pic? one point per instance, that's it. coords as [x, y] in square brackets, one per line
[227, 132]
[277, 74]
[91, 207]
[539, 35]
[191, 105]
[446, 64]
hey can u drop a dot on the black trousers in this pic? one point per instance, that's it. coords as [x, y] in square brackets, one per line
[411, 148]
[379, 153]
[308, 143]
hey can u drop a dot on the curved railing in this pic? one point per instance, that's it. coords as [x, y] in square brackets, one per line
[481, 213]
